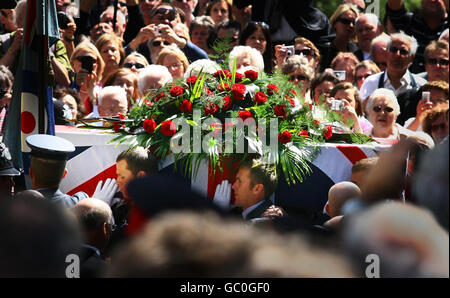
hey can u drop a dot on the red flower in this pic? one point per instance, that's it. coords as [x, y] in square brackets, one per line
[239, 77]
[176, 91]
[251, 74]
[168, 128]
[284, 137]
[209, 92]
[148, 102]
[149, 125]
[223, 73]
[186, 106]
[239, 91]
[292, 102]
[245, 114]
[316, 122]
[271, 89]
[293, 92]
[159, 96]
[211, 109]
[310, 106]
[191, 80]
[223, 87]
[328, 132]
[280, 111]
[260, 98]
[226, 102]
[304, 133]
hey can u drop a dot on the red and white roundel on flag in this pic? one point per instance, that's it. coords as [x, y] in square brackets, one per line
[29, 118]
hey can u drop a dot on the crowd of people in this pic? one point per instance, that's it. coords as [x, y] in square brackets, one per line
[391, 76]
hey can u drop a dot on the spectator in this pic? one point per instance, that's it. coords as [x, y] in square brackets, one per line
[203, 65]
[72, 99]
[112, 53]
[6, 84]
[200, 30]
[299, 71]
[108, 17]
[338, 195]
[425, 26]
[379, 52]
[151, 78]
[321, 87]
[175, 60]
[345, 62]
[228, 32]
[402, 49]
[308, 49]
[257, 35]
[8, 20]
[435, 123]
[361, 169]
[188, 7]
[112, 101]
[135, 62]
[246, 57]
[96, 224]
[127, 79]
[100, 29]
[364, 70]
[368, 27]
[146, 7]
[383, 110]
[219, 10]
[352, 113]
[436, 61]
[156, 45]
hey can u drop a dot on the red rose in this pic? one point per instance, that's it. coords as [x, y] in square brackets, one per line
[211, 109]
[238, 77]
[191, 80]
[223, 73]
[316, 122]
[271, 89]
[245, 114]
[148, 102]
[149, 125]
[251, 74]
[328, 132]
[260, 98]
[279, 111]
[223, 87]
[168, 128]
[226, 102]
[176, 91]
[304, 133]
[292, 102]
[209, 92]
[186, 106]
[284, 137]
[239, 91]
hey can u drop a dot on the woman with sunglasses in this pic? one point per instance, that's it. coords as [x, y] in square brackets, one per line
[300, 74]
[383, 110]
[257, 36]
[435, 122]
[135, 62]
[343, 21]
[364, 70]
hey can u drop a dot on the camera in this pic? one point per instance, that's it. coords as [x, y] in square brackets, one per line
[340, 74]
[290, 50]
[157, 32]
[63, 19]
[337, 105]
[87, 62]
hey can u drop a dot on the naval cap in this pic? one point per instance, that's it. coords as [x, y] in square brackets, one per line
[50, 147]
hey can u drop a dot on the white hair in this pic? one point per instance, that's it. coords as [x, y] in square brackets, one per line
[120, 91]
[298, 62]
[372, 18]
[151, 70]
[201, 65]
[255, 55]
[443, 34]
[383, 38]
[386, 93]
[120, 14]
[413, 45]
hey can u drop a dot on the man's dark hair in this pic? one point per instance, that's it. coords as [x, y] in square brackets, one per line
[48, 172]
[139, 159]
[261, 173]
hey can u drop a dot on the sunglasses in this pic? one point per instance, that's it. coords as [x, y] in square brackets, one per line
[262, 24]
[170, 16]
[158, 43]
[305, 52]
[346, 21]
[136, 65]
[360, 78]
[298, 78]
[440, 126]
[121, 4]
[395, 50]
[441, 62]
[387, 110]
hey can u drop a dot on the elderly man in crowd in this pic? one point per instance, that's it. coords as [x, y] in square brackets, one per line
[379, 52]
[153, 77]
[368, 27]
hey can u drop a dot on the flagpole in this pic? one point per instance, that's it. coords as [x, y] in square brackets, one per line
[116, 3]
[43, 57]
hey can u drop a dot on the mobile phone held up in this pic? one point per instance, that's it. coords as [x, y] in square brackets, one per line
[63, 20]
[87, 62]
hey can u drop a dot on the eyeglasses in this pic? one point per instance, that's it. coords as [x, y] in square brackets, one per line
[298, 78]
[158, 43]
[346, 21]
[305, 52]
[136, 65]
[440, 126]
[121, 4]
[387, 110]
[441, 62]
[262, 24]
[395, 50]
[359, 78]
[170, 16]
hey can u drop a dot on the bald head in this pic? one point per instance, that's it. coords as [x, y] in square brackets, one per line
[92, 212]
[339, 194]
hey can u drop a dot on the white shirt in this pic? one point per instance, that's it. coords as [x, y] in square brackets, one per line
[371, 84]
